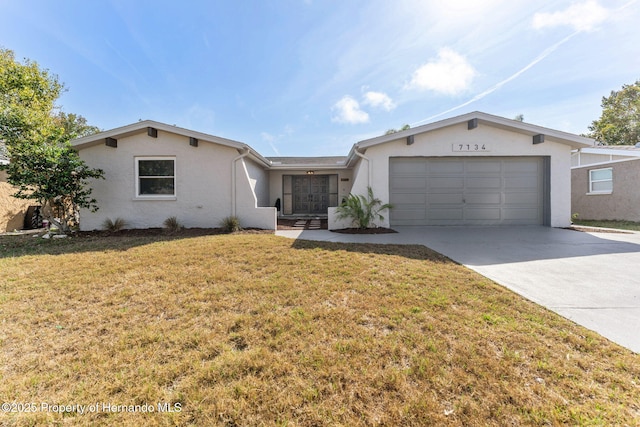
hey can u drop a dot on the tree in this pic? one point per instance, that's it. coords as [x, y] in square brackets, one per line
[74, 125]
[43, 165]
[27, 96]
[619, 123]
[404, 127]
[55, 176]
[519, 117]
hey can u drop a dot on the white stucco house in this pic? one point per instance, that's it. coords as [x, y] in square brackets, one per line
[473, 169]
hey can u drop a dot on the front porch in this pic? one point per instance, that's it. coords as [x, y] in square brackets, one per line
[302, 222]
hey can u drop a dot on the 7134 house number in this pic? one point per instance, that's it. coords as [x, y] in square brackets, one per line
[469, 147]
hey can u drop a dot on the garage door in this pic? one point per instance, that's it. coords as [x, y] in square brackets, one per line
[467, 191]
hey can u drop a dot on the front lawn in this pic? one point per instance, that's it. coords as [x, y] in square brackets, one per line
[254, 329]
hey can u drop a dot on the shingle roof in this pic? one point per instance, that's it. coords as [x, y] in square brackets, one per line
[321, 161]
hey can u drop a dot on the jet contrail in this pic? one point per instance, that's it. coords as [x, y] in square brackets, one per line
[548, 51]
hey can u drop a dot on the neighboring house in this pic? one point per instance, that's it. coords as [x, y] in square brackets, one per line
[606, 183]
[473, 169]
[12, 210]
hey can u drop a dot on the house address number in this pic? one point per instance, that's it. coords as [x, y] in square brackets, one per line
[470, 147]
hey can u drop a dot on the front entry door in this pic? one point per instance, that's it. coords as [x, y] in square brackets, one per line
[310, 194]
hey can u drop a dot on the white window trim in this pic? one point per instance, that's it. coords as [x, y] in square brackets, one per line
[591, 181]
[138, 196]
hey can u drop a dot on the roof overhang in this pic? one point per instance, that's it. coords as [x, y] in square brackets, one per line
[142, 126]
[307, 163]
[622, 152]
[475, 119]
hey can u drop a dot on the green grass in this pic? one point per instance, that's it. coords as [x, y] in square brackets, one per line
[623, 225]
[253, 329]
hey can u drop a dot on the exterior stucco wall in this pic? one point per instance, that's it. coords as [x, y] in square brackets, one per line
[500, 142]
[259, 181]
[12, 210]
[275, 182]
[622, 204]
[203, 183]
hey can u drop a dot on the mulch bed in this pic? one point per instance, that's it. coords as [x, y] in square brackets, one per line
[377, 230]
[185, 232]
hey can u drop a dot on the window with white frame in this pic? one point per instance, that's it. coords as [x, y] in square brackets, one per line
[601, 180]
[156, 177]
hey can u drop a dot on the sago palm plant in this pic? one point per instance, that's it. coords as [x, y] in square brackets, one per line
[362, 210]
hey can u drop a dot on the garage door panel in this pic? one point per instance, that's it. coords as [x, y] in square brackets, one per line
[477, 182]
[523, 166]
[483, 198]
[404, 184]
[446, 214]
[521, 183]
[415, 166]
[409, 215]
[481, 214]
[445, 182]
[484, 166]
[446, 167]
[408, 198]
[466, 191]
[532, 198]
[446, 198]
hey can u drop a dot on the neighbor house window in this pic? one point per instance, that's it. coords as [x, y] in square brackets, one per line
[601, 180]
[156, 177]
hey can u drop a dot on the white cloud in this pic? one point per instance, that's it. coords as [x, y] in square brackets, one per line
[450, 74]
[378, 99]
[580, 16]
[347, 110]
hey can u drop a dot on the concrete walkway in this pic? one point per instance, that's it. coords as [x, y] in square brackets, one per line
[592, 279]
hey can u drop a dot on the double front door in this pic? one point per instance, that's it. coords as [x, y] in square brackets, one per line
[310, 194]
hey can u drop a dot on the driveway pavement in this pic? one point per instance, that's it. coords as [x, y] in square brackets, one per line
[592, 279]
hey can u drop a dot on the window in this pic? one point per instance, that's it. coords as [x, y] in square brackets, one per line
[156, 177]
[601, 181]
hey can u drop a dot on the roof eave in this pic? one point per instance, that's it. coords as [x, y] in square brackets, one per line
[575, 141]
[142, 125]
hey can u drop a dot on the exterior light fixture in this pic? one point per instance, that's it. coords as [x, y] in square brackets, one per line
[310, 172]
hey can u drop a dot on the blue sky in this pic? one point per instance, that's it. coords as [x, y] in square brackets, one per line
[312, 77]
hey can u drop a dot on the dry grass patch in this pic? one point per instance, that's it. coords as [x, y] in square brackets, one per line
[245, 330]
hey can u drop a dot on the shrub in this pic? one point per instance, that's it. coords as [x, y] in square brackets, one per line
[172, 225]
[362, 210]
[115, 225]
[231, 224]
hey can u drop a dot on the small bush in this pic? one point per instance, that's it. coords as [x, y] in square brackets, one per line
[114, 225]
[231, 224]
[172, 225]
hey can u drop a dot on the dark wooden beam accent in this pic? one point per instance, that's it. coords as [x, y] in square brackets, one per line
[472, 124]
[111, 142]
[538, 139]
[152, 132]
[193, 141]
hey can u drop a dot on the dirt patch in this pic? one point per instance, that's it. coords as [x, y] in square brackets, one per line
[597, 230]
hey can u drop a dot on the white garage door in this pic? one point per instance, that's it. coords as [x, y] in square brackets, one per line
[467, 191]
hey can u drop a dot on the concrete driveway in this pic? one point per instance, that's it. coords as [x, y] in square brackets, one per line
[592, 279]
